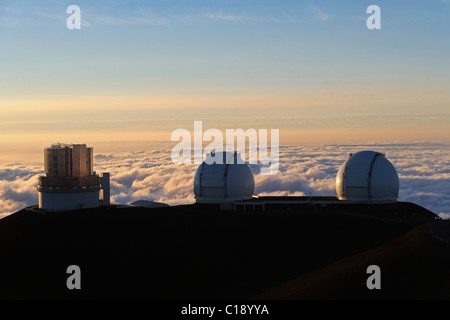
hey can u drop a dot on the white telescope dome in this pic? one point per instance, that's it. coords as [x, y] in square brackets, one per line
[369, 177]
[221, 179]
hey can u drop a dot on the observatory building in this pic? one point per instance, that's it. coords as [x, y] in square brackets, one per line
[365, 180]
[223, 179]
[367, 176]
[69, 181]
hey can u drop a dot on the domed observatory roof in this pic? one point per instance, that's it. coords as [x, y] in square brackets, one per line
[221, 178]
[367, 176]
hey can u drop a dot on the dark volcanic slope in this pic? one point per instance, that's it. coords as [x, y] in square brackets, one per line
[413, 266]
[182, 252]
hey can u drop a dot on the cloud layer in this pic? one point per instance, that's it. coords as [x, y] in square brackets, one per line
[424, 171]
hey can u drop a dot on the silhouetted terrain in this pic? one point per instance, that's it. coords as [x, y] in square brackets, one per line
[196, 252]
[414, 266]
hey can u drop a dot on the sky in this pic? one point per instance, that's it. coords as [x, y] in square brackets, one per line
[138, 70]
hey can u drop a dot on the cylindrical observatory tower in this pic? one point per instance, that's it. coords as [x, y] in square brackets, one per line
[69, 182]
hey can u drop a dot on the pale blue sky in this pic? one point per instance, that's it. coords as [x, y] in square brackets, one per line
[143, 46]
[188, 60]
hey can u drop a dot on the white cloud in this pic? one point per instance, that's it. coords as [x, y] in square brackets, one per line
[229, 17]
[9, 21]
[12, 9]
[424, 171]
[142, 19]
[17, 187]
[321, 15]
